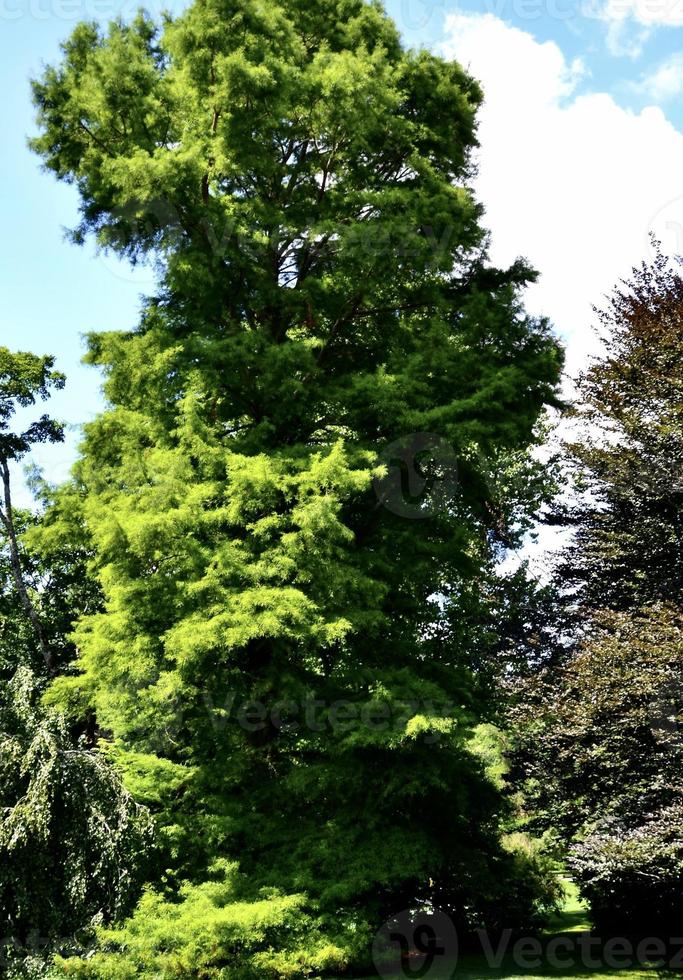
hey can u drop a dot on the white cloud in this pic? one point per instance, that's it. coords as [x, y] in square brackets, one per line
[648, 12]
[573, 182]
[625, 38]
[665, 82]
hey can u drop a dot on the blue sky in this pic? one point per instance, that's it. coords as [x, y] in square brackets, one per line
[581, 154]
[622, 43]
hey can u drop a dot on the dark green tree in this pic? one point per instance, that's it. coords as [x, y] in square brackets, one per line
[315, 443]
[24, 379]
[54, 554]
[73, 843]
[598, 725]
[628, 545]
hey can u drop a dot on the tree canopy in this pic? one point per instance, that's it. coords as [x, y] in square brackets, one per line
[287, 661]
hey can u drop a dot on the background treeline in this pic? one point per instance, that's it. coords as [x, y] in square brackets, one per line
[263, 684]
[598, 721]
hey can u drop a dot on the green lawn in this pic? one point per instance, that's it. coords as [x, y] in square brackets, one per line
[570, 928]
[574, 914]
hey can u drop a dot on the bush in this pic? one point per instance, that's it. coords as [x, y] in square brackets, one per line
[632, 875]
[213, 931]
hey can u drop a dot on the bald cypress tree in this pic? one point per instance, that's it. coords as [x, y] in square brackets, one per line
[314, 443]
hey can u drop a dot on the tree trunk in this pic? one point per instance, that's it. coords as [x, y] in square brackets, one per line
[7, 518]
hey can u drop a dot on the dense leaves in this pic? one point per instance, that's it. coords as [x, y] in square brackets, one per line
[603, 732]
[214, 932]
[628, 551]
[632, 873]
[24, 379]
[54, 553]
[598, 723]
[74, 846]
[316, 441]
[70, 839]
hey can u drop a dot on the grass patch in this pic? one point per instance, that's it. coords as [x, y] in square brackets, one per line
[573, 916]
[567, 949]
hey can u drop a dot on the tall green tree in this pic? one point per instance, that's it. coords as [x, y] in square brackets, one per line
[315, 442]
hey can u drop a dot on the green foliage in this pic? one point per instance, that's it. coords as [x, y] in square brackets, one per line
[72, 842]
[632, 874]
[17, 640]
[628, 547]
[218, 929]
[53, 555]
[600, 737]
[212, 930]
[598, 747]
[490, 744]
[24, 379]
[288, 667]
